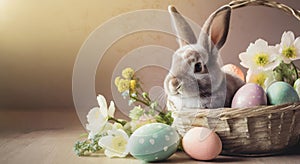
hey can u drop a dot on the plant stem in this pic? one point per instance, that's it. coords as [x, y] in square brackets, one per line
[117, 121]
[141, 101]
[295, 68]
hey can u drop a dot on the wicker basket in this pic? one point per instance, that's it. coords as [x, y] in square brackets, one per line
[255, 131]
[262, 130]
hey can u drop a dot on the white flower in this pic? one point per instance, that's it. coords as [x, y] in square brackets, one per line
[115, 143]
[102, 104]
[264, 79]
[289, 47]
[98, 117]
[260, 56]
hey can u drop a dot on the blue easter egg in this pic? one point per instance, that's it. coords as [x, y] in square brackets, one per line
[281, 93]
[153, 142]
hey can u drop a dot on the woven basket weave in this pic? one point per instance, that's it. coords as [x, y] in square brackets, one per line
[262, 130]
[255, 131]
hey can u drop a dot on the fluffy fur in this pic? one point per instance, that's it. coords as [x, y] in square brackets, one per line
[195, 79]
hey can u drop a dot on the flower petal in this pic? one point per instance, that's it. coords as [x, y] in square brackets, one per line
[102, 104]
[122, 133]
[112, 154]
[271, 66]
[287, 39]
[93, 114]
[269, 80]
[111, 143]
[249, 75]
[244, 57]
[286, 60]
[91, 135]
[105, 142]
[261, 44]
[297, 46]
[297, 43]
[111, 109]
[96, 126]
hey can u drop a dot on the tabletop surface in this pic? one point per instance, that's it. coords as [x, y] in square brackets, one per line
[49, 136]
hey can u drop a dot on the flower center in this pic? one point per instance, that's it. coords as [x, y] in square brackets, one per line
[260, 79]
[119, 144]
[289, 52]
[261, 59]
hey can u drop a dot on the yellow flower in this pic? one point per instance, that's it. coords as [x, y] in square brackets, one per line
[123, 85]
[132, 85]
[128, 73]
[117, 80]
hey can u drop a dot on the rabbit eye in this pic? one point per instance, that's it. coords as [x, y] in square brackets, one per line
[198, 67]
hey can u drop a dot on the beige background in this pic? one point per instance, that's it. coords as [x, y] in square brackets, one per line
[39, 41]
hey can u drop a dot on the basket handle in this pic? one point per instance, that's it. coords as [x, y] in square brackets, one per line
[235, 4]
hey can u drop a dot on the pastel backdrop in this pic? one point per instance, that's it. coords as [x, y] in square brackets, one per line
[39, 42]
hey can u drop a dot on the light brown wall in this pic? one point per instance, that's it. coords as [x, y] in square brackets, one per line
[39, 41]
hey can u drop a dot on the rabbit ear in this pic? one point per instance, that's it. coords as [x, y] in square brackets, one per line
[183, 30]
[216, 28]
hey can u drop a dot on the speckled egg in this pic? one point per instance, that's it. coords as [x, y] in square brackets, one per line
[297, 86]
[153, 142]
[281, 93]
[249, 95]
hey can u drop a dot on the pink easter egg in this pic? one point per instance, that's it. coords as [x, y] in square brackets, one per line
[202, 143]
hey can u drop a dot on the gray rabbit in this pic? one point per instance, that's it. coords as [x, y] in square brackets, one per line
[195, 79]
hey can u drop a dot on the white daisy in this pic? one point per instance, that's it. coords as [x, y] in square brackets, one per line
[289, 47]
[259, 56]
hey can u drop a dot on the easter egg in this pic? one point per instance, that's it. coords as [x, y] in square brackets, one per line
[233, 70]
[202, 143]
[297, 86]
[153, 142]
[281, 93]
[249, 95]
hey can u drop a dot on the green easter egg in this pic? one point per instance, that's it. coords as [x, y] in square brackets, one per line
[153, 142]
[281, 93]
[297, 86]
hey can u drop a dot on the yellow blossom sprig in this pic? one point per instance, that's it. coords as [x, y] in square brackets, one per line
[129, 85]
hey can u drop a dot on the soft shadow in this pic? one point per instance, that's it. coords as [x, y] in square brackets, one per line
[183, 158]
[224, 159]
